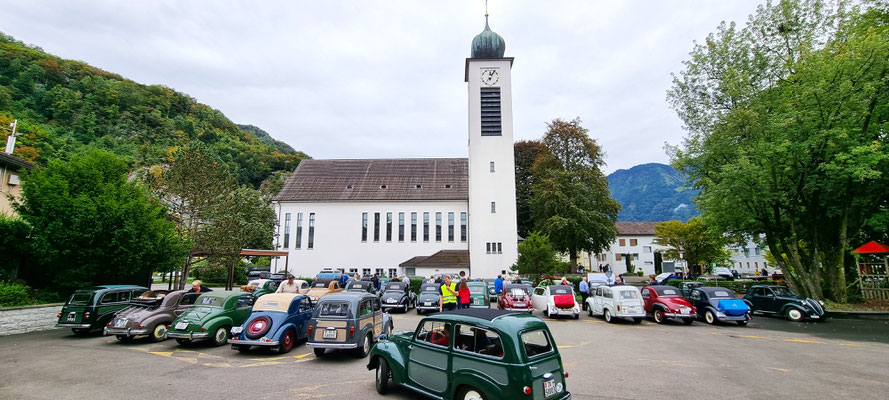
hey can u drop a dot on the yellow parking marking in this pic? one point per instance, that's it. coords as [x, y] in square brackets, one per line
[850, 344]
[188, 359]
[221, 365]
[779, 369]
[185, 351]
[566, 346]
[797, 340]
[270, 358]
[301, 355]
[754, 337]
[162, 353]
[261, 363]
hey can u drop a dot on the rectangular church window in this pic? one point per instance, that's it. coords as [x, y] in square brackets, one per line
[425, 226]
[493, 207]
[311, 244]
[299, 231]
[450, 227]
[438, 227]
[363, 227]
[413, 227]
[492, 166]
[401, 227]
[286, 230]
[499, 248]
[462, 226]
[388, 227]
[490, 111]
[376, 227]
[488, 247]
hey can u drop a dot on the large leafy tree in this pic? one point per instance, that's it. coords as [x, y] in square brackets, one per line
[526, 152]
[571, 203]
[787, 120]
[90, 225]
[694, 241]
[537, 257]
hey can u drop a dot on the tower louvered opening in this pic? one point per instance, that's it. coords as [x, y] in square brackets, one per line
[490, 102]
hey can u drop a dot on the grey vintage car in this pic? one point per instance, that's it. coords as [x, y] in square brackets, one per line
[149, 314]
[347, 320]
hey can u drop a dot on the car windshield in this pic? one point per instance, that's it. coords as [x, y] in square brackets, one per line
[394, 287]
[207, 302]
[536, 343]
[783, 291]
[561, 289]
[333, 309]
[628, 294]
[429, 289]
[358, 287]
[668, 292]
[81, 298]
[477, 289]
[518, 292]
[722, 294]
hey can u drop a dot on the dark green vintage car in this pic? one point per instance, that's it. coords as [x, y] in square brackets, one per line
[779, 300]
[211, 317]
[473, 354]
[478, 295]
[91, 308]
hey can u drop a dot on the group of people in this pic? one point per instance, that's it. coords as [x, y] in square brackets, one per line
[456, 295]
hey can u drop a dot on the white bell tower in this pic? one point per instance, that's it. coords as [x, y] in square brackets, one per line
[493, 237]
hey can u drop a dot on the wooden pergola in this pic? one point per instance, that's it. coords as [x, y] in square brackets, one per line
[257, 252]
[873, 275]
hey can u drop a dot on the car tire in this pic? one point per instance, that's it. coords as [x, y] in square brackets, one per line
[607, 315]
[688, 321]
[384, 375]
[742, 323]
[159, 333]
[249, 329]
[659, 316]
[364, 347]
[183, 340]
[546, 312]
[470, 393]
[637, 320]
[319, 352]
[124, 338]
[287, 341]
[241, 348]
[710, 317]
[220, 337]
[81, 331]
[794, 314]
[577, 316]
[419, 311]
[589, 311]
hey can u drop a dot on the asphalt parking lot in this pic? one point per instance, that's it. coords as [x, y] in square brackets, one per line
[770, 358]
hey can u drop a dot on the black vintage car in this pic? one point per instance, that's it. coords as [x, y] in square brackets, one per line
[430, 294]
[398, 295]
[361, 287]
[779, 300]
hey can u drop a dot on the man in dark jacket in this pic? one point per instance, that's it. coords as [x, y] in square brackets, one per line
[198, 287]
[376, 281]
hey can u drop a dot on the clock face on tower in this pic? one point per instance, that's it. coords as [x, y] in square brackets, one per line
[490, 76]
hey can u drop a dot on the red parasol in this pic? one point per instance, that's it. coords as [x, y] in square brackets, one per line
[872, 248]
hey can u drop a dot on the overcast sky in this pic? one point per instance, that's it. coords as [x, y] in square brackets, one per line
[384, 79]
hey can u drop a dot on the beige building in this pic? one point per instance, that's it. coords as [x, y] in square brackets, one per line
[11, 168]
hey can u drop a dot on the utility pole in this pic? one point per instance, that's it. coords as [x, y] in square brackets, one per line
[10, 140]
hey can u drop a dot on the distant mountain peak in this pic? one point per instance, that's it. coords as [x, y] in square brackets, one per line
[652, 192]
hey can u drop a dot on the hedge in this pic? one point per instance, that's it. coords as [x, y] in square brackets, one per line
[14, 294]
[736, 286]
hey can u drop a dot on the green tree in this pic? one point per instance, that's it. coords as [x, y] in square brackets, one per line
[537, 256]
[571, 203]
[90, 225]
[526, 152]
[786, 123]
[14, 245]
[694, 241]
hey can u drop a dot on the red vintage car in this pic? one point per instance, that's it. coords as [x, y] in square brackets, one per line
[516, 297]
[662, 302]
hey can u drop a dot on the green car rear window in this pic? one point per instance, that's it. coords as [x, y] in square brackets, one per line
[81, 298]
[207, 301]
[333, 309]
[536, 343]
[477, 289]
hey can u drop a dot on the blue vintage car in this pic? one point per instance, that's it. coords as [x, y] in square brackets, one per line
[277, 321]
[718, 304]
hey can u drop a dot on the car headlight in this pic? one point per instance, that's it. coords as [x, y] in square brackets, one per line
[803, 302]
[821, 302]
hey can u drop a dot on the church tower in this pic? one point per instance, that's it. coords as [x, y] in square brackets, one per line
[493, 237]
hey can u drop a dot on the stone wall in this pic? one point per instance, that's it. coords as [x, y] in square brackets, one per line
[15, 320]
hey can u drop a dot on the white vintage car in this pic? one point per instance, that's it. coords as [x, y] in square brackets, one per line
[555, 300]
[617, 302]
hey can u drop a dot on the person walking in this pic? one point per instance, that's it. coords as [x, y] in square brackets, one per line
[448, 298]
[498, 287]
[463, 295]
[584, 292]
[288, 287]
[375, 280]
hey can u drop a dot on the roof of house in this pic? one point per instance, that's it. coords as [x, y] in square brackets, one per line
[10, 159]
[442, 259]
[378, 179]
[636, 228]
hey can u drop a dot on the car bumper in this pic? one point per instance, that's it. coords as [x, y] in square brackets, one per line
[679, 315]
[124, 331]
[333, 345]
[629, 315]
[517, 309]
[73, 326]
[734, 318]
[253, 342]
[427, 308]
[479, 306]
[392, 305]
[189, 335]
[564, 311]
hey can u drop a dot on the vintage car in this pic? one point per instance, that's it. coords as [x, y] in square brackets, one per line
[361, 287]
[278, 320]
[622, 301]
[212, 317]
[149, 314]
[430, 295]
[779, 300]
[90, 309]
[516, 297]
[258, 275]
[685, 288]
[398, 295]
[717, 304]
[491, 291]
[347, 321]
[664, 302]
[322, 287]
[555, 300]
[473, 353]
[478, 295]
[260, 287]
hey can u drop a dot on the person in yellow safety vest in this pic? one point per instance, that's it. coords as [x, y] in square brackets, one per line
[448, 299]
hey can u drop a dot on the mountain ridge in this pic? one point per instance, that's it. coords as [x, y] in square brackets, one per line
[652, 192]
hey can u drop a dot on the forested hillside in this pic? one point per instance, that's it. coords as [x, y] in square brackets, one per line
[64, 105]
[651, 192]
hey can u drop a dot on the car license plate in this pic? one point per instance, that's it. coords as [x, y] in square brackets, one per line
[549, 388]
[71, 317]
[329, 334]
[120, 323]
[390, 300]
[236, 330]
[428, 303]
[182, 325]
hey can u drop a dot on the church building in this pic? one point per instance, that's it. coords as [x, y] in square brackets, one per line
[413, 216]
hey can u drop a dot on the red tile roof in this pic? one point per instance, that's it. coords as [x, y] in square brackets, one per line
[636, 228]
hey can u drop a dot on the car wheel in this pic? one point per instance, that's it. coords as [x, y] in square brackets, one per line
[124, 338]
[794, 315]
[287, 342]
[183, 340]
[546, 312]
[659, 316]
[419, 311]
[637, 320]
[383, 376]
[81, 331]
[710, 317]
[589, 311]
[221, 336]
[607, 315]
[159, 332]
[742, 323]
[319, 352]
[688, 321]
[258, 327]
[241, 348]
[470, 393]
[364, 348]
[577, 316]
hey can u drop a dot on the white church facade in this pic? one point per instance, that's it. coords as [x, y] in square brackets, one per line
[422, 216]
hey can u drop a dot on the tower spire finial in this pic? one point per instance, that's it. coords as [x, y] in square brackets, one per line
[486, 13]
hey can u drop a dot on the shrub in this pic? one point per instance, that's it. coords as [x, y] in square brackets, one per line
[14, 294]
[218, 274]
[736, 286]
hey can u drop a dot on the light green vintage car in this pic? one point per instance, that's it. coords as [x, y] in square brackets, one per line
[212, 317]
